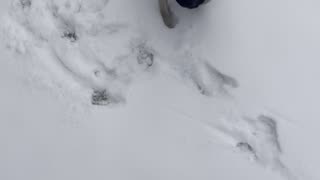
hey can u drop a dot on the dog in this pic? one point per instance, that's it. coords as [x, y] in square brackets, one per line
[168, 16]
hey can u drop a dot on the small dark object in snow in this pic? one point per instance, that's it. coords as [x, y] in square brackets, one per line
[245, 147]
[25, 3]
[71, 35]
[100, 97]
[145, 57]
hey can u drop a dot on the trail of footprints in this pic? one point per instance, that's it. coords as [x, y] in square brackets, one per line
[59, 25]
[66, 20]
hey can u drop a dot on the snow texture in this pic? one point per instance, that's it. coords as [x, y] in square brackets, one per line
[93, 52]
[100, 55]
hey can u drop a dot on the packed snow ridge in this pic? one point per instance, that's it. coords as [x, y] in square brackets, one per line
[93, 50]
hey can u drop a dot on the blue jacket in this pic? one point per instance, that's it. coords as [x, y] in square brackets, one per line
[190, 3]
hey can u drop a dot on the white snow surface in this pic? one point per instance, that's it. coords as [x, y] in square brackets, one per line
[101, 89]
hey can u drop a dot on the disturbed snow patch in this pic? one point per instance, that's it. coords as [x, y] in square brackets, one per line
[82, 47]
[256, 137]
[74, 45]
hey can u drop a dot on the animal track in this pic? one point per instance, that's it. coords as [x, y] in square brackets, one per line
[245, 147]
[103, 56]
[145, 56]
[207, 79]
[72, 36]
[25, 3]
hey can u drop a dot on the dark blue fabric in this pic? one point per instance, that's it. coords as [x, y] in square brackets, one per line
[190, 3]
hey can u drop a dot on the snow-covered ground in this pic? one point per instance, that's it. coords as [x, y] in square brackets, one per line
[101, 89]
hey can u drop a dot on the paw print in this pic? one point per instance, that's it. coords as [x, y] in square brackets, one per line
[71, 35]
[145, 56]
[25, 3]
[104, 98]
[208, 80]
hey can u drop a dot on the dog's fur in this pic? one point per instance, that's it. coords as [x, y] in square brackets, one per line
[167, 15]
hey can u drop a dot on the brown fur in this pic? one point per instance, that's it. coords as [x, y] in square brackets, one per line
[166, 13]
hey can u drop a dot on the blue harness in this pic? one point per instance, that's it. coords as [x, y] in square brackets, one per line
[190, 3]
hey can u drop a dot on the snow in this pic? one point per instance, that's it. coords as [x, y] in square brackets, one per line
[218, 97]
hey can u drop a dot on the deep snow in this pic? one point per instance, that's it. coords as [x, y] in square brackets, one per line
[170, 113]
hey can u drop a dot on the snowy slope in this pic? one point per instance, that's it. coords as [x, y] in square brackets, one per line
[169, 113]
